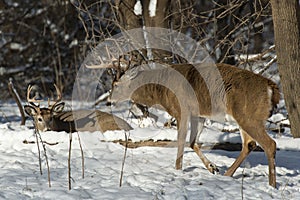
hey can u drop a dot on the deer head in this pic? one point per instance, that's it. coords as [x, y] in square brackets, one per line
[43, 117]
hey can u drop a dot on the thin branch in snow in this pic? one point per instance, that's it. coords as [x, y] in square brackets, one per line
[39, 137]
[82, 155]
[69, 161]
[124, 158]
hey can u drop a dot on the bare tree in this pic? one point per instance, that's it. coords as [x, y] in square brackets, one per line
[286, 19]
[165, 14]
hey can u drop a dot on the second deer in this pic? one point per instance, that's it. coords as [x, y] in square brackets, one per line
[54, 118]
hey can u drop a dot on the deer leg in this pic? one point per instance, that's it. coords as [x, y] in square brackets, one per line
[269, 146]
[196, 129]
[248, 145]
[258, 133]
[182, 127]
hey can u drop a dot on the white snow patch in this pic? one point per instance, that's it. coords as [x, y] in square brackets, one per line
[73, 43]
[16, 46]
[138, 8]
[149, 172]
[152, 8]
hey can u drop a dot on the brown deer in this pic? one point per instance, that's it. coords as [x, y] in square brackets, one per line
[245, 97]
[54, 118]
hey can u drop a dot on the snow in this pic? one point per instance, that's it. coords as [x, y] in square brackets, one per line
[152, 8]
[138, 8]
[16, 46]
[149, 172]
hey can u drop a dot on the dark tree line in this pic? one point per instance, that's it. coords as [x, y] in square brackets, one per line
[45, 41]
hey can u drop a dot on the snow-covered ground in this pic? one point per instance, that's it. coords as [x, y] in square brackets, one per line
[149, 172]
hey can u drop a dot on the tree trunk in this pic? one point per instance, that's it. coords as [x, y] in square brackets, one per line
[168, 14]
[286, 19]
[125, 15]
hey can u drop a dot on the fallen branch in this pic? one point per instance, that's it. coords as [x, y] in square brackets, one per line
[168, 143]
[45, 142]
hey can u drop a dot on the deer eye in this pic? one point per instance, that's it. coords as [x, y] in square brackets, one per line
[40, 119]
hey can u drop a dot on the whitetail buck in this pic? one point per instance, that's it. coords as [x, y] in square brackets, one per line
[246, 97]
[54, 118]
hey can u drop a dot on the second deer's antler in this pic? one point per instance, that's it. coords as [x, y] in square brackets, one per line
[58, 98]
[32, 100]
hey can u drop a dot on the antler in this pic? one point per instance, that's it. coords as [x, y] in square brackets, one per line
[109, 61]
[59, 96]
[32, 100]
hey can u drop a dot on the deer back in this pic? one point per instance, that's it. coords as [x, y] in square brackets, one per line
[208, 91]
[95, 120]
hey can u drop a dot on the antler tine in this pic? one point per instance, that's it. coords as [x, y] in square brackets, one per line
[58, 98]
[103, 65]
[120, 65]
[32, 100]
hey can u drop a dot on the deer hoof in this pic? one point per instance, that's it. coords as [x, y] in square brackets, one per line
[213, 168]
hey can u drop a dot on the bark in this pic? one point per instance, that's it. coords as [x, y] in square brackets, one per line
[168, 14]
[126, 17]
[286, 19]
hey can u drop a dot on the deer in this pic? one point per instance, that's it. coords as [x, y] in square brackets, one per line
[234, 94]
[54, 118]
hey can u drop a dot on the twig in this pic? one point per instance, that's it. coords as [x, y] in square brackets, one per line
[82, 155]
[242, 186]
[284, 189]
[38, 146]
[69, 160]
[267, 65]
[12, 90]
[46, 158]
[38, 136]
[45, 142]
[4, 115]
[124, 158]
[257, 56]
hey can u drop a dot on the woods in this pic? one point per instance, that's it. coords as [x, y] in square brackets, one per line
[45, 42]
[110, 95]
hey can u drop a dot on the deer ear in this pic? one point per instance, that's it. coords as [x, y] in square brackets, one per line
[30, 110]
[58, 107]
